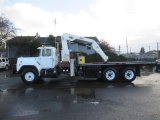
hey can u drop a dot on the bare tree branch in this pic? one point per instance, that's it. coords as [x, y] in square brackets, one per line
[7, 29]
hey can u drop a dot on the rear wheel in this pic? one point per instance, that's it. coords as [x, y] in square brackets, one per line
[110, 74]
[29, 76]
[129, 74]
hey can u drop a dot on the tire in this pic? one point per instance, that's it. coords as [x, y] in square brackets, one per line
[110, 75]
[29, 76]
[129, 74]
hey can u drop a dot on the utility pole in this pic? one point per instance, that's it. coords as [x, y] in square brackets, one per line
[55, 30]
[56, 43]
[157, 46]
[127, 45]
[119, 48]
[157, 50]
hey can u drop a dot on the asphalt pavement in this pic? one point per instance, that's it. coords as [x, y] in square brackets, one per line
[68, 99]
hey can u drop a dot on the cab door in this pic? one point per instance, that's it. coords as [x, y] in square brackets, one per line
[47, 58]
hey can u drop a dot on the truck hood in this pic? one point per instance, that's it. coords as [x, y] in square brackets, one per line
[27, 61]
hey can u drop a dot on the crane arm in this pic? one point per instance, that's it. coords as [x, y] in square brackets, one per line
[80, 40]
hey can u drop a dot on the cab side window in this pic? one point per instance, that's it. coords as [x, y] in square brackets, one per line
[46, 52]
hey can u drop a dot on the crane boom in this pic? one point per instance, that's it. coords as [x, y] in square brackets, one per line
[80, 40]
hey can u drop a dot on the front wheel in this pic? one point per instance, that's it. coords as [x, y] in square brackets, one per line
[110, 74]
[129, 74]
[29, 76]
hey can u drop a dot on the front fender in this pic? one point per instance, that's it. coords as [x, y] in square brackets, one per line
[27, 63]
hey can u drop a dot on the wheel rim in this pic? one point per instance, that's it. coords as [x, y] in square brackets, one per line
[110, 75]
[129, 74]
[29, 76]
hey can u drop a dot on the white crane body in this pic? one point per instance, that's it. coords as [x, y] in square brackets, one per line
[65, 38]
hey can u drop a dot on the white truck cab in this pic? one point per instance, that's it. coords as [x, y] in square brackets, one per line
[32, 68]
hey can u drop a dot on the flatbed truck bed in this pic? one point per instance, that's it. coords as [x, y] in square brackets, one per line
[112, 71]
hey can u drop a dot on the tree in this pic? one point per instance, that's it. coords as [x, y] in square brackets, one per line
[51, 40]
[29, 46]
[108, 50]
[142, 50]
[34, 44]
[7, 29]
[105, 46]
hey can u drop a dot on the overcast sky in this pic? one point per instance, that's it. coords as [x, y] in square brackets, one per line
[111, 20]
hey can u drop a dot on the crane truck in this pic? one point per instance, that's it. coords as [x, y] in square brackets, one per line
[47, 65]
